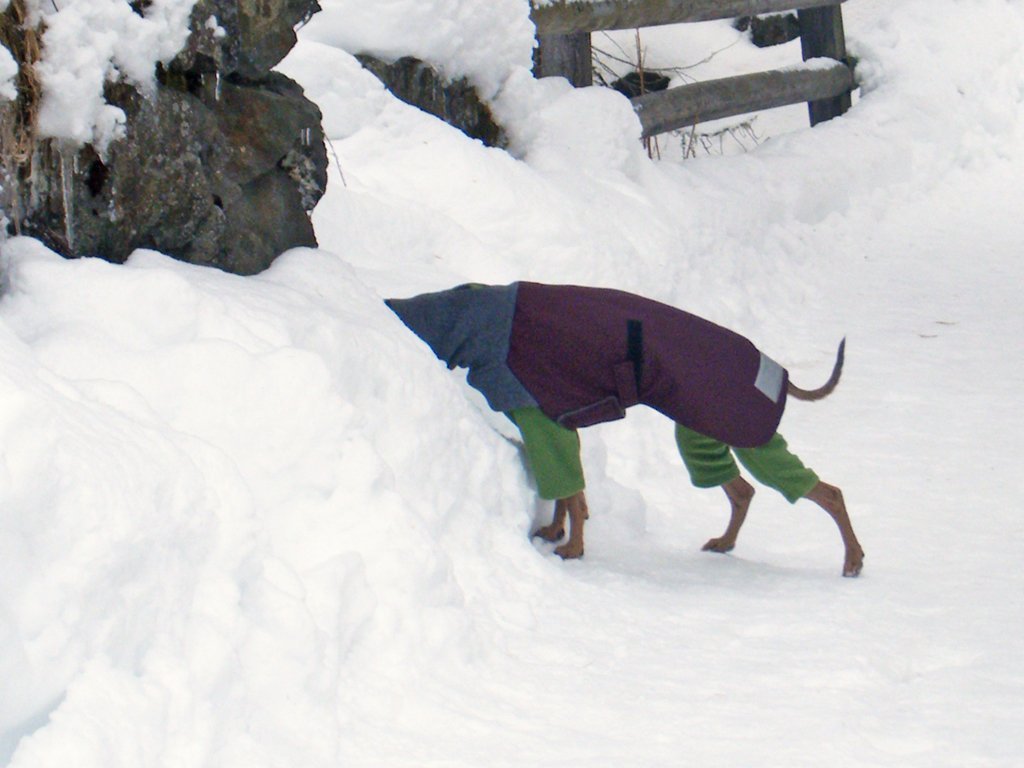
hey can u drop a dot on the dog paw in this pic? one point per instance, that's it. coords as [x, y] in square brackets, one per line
[569, 551]
[854, 564]
[719, 545]
[550, 533]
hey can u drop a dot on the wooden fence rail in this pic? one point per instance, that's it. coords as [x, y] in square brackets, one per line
[562, 17]
[563, 35]
[686, 105]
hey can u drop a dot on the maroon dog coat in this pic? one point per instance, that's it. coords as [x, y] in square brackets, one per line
[584, 355]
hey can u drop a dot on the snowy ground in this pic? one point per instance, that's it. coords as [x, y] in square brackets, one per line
[253, 522]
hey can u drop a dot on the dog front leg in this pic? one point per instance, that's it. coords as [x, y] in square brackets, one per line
[576, 507]
[556, 530]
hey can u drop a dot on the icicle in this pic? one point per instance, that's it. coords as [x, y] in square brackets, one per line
[33, 181]
[66, 178]
[112, 209]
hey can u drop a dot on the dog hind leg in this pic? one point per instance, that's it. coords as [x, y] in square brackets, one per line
[830, 498]
[740, 494]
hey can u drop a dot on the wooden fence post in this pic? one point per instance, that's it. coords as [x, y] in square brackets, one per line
[821, 35]
[566, 56]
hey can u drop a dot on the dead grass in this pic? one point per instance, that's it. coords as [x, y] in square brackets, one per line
[17, 133]
[18, 117]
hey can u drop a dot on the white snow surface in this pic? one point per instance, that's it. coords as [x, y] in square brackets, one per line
[254, 522]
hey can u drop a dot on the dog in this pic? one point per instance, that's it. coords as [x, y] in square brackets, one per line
[574, 356]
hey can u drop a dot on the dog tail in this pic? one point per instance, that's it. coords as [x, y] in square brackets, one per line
[826, 389]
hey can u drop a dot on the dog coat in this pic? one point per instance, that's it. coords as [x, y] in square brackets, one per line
[585, 355]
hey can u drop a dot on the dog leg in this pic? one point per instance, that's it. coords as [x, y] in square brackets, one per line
[830, 498]
[576, 506]
[556, 530]
[740, 493]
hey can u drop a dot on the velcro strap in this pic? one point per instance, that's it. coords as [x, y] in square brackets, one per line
[625, 384]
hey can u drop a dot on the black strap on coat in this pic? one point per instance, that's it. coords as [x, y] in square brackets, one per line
[635, 348]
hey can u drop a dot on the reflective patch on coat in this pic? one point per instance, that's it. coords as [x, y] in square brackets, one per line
[770, 376]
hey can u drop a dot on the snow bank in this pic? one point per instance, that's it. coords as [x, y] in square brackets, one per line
[483, 40]
[489, 43]
[212, 499]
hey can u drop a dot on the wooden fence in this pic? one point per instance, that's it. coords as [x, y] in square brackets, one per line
[563, 34]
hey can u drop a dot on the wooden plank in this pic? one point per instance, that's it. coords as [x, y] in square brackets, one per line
[566, 56]
[821, 34]
[561, 17]
[686, 105]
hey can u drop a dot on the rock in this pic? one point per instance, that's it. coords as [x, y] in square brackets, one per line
[636, 83]
[256, 35]
[454, 101]
[221, 166]
[773, 29]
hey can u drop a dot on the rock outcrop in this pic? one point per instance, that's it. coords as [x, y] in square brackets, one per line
[221, 166]
[455, 101]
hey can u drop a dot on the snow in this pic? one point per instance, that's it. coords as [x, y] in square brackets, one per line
[87, 43]
[483, 40]
[252, 521]
[8, 72]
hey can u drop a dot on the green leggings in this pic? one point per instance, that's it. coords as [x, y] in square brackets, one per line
[553, 452]
[710, 463]
[554, 455]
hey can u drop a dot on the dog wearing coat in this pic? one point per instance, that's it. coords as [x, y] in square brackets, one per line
[557, 358]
